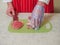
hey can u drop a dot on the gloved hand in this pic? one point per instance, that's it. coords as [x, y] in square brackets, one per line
[37, 17]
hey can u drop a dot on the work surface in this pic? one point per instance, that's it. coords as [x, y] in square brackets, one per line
[49, 38]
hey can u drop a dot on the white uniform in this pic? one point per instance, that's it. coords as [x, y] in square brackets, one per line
[45, 1]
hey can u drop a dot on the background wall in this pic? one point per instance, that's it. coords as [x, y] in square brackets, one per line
[57, 5]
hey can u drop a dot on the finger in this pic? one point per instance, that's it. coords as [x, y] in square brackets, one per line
[9, 14]
[13, 12]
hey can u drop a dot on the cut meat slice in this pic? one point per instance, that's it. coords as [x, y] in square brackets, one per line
[17, 24]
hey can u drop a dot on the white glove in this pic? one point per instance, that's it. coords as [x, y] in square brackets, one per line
[37, 17]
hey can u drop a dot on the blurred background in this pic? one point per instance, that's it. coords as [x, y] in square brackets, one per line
[57, 6]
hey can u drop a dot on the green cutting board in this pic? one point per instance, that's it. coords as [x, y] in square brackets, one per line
[24, 29]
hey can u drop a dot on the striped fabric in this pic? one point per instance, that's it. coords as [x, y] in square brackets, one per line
[28, 5]
[24, 5]
[50, 8]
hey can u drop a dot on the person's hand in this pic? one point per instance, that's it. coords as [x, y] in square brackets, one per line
[10, 10]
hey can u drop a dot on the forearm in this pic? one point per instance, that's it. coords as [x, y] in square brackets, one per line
[45, 1]
[9, 2]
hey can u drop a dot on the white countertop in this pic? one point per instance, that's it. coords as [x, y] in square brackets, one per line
[50, 38]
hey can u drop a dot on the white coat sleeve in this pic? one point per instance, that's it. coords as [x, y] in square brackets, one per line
[7, 0]
[45, 1]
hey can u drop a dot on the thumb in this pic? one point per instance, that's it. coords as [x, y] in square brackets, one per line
[13, 12]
